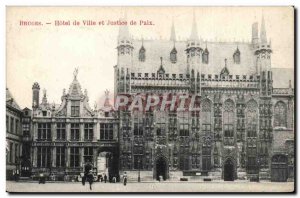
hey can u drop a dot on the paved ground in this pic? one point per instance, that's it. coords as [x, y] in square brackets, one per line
[152, 187]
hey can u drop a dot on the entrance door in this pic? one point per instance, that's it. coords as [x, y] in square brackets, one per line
[228, 170]
[161, 168]
[26, 168]
[279, 169]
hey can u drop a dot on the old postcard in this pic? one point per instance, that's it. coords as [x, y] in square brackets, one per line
[150, 99]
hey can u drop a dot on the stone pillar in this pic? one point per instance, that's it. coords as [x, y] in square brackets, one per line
[68, 157]
[34, 163]
[34, 130]
[95, 154]
[81, 131]
[53, 131]
[97, 131]
[53, 156]
[81, 156]
[68, 131]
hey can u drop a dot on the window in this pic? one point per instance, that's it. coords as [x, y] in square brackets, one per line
[88, 154]
[12, 122]
[153, 75]
[146, 75]
[106, 131]
[237, 56]
[88, 131]
[280, 114]
[74, 157]
[138, 129]
[75, 106]
[60, 156]
[138, 152]
[206, 107]
[251, 116]
[11, 147]
[174, 76]
[173, 55]
[205, 56]
[61, 131]
[7, 123]
[184, 130]
[139, 75]
[195, 161]
[44, 113]
[228, 122]
[206, 157]
[44, 131]
[17, 127]
[142, 54]
[75, 131]
[17, 153]
[161, 129]
[43, 157]
[237, 77]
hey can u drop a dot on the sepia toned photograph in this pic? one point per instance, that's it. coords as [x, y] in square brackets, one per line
[150, 99]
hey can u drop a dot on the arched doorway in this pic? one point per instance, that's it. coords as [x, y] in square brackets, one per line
[228, 170]
[161, 168]
[108, 163]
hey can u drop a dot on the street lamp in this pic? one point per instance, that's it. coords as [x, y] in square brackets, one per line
[258, 164]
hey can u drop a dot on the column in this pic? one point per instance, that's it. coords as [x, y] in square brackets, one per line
[95, 154]
[81, 131]
[34, 130]
[68, 157]
[34, 163]
[68, 130]
[97, 131]
[53, 131]
[81, 156]
[53, 156]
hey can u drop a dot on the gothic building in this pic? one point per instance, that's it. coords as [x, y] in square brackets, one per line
[245, 126]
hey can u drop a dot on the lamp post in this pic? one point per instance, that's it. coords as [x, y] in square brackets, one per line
[258, 164]
[139, 176]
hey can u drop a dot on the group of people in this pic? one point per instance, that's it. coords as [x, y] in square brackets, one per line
[89, 177]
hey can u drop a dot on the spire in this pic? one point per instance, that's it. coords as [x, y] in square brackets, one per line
[123, 30]
[263, 34]
[173, 35]
[194, 33]
[44, 100]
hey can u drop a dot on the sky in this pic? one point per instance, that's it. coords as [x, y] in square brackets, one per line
[49, 54]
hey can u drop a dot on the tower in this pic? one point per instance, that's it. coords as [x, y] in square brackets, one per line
[125, 51]
[193, 52]
[35, 95]
[263, 55]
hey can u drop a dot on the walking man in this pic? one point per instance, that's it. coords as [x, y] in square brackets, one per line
[105, 178]
[90, 178]
[124, 178]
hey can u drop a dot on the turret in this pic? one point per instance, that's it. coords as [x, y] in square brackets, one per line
[125, 54]
[255, 38]
[263, 54]
[193, 51]
[35, 95]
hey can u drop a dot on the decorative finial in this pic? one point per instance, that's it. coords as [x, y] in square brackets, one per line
[95, 105]
[161, 60]
[225, 62]
[64, 92]
[75, 73]
[44, 92]
[106, 92]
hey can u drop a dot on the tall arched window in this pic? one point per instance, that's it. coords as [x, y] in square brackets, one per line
[237, 56]
[142, 54]
[280, 114]
[173, 55]
[228, 119]
[206, 115]
[205, 56]
[206, 129]
[252, 118]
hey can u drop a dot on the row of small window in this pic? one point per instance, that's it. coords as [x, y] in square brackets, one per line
[230, 77]
[44, 157]
[13, 153]
[44, 131]
[153, 75]
[12, 125]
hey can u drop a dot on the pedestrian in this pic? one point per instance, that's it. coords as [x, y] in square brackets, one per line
[124, 178]
[83, 179]
[105, 178]
[90, 178]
